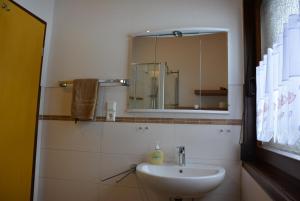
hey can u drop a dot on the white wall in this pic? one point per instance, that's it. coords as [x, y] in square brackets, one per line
[252, 190]
[90, 39]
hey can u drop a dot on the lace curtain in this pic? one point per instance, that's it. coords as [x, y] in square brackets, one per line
[278, 87]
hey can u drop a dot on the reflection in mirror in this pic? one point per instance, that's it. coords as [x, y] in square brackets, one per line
[179, 71]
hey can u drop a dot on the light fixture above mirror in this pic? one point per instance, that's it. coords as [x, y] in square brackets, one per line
[183, 31]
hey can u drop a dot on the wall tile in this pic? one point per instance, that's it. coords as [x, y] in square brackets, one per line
[123, 144]
[57, 101]
[66, 135]
[63, 190]
[114, 193]
[163, 134]
[207, 142]
[118, 94]
[112, 164]
[70, 165]
[124, 138]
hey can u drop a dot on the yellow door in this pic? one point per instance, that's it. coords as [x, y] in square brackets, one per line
[22, 40]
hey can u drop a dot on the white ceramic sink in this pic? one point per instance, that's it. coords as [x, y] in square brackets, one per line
[181, 181]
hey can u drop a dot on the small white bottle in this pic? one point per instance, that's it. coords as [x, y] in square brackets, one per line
[111, 111]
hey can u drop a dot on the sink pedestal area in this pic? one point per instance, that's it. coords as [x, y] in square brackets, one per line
[180, 181]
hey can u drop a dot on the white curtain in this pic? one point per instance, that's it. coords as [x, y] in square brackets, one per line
[278, 88]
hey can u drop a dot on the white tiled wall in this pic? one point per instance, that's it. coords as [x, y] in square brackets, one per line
[58, 101]
[75, 157]
[90, 39]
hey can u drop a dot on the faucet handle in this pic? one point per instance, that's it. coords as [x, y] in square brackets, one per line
[181, 149]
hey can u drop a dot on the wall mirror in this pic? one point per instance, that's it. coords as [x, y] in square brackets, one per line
[179, 70]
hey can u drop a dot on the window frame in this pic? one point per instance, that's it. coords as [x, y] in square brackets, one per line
[256, 158]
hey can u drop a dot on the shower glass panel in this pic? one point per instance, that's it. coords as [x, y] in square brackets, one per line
[147, 86]
[171, 89]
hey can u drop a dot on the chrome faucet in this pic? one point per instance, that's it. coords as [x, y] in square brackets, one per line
[181, 155]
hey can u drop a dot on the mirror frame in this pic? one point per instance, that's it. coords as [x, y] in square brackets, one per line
[186, 30]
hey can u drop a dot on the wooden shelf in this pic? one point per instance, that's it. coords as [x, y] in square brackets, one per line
[211, 92]
[203, 108]
[135, 98]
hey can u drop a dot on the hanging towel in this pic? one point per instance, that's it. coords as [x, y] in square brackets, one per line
[84, 99]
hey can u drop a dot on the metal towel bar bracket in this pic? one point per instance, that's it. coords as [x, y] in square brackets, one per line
[126, 173]
[109, 82]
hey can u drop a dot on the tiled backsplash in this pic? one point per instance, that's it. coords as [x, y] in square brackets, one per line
[75, 157]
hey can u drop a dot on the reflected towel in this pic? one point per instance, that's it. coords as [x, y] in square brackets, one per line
[84, 99]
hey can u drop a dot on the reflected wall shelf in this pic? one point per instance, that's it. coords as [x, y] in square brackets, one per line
[211, 92]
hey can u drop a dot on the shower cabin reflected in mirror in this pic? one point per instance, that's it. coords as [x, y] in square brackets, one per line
[179, 72]
[147, 86]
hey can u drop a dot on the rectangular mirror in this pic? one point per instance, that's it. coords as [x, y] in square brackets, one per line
[179, 70]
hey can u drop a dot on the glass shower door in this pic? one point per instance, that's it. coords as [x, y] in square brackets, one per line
[146, 90]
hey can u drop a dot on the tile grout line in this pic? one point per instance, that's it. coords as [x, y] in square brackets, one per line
[191, 121]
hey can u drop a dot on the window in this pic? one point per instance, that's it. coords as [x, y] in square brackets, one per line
[278, 76]
[277, 174]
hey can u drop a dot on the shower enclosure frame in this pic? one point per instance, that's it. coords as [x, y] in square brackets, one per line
[156, 92]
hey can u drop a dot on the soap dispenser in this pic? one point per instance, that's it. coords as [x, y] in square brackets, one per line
[157, 156]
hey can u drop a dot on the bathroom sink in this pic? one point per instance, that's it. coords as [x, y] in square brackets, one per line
[180, 181]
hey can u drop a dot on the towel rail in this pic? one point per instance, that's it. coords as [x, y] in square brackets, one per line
[109, 82]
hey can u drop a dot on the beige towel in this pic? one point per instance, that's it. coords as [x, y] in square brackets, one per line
[84, 100]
